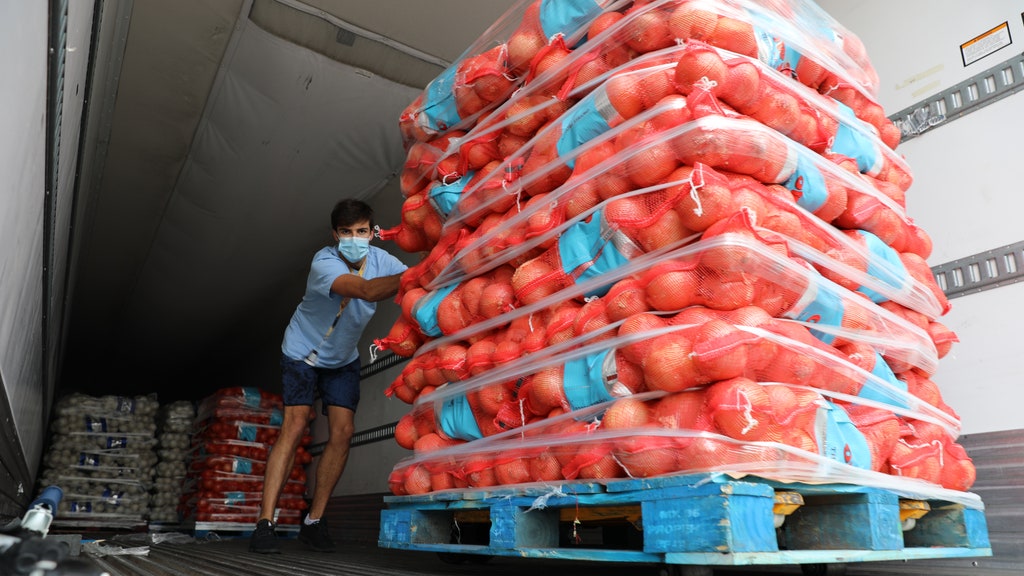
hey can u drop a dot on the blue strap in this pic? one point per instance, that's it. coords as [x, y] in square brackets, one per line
[276, 417]
[854, 143]
[843, 441]
[566, 16]
[241, 465]
[251, 397]
[583, 381]
[425, 311]
[580, 124]
[444, 197]
[808, 184]
[457, 419]
[827, 308]
[884, 264]
[769, 48]
[884, 372]
[587, 255]
[247, 432]
[439, 101]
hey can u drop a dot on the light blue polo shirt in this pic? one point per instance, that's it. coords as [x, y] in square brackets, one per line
[319, 306]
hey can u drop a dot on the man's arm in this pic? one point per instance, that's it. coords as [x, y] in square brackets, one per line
[375, 290]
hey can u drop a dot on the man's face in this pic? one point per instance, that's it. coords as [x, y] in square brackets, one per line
[360, 229]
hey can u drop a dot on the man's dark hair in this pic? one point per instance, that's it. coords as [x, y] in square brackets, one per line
[349, 211]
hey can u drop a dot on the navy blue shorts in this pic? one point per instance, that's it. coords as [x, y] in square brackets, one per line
[301, 383]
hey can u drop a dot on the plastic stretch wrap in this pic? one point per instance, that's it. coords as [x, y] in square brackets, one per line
[135, 441]
[617, 40]
[667, 352]
[792, 41]
[226, 429]
[240, 506]
[218, 480]
[238, 398]
[749, 87]
[102, 499]
[243, 515]
[724, 271]
[114, 406]
[66, 452]
[803, 435]
[519, 46]
[519, 49]
[242, 465]
[232, 435]
[250, 450]
[287, 501]
[643, 155]
[678, 243]
[224, 502]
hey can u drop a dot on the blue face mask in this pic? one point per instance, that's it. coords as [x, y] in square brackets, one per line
[354, 249]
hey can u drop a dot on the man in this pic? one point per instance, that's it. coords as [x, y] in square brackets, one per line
[320, 355]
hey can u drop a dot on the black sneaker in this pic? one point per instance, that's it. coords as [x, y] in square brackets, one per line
[316, 536]
[264, 539]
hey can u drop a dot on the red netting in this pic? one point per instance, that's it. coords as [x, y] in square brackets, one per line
[703, 369]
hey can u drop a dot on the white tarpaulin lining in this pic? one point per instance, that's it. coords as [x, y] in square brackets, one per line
[285, 134]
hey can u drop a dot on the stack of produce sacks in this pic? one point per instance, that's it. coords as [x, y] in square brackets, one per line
[235, 428]
[174, 428]
[665, 237]
[102, 456]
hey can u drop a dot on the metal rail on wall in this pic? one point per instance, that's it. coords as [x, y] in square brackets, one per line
[961, 99]
[983, 271]
[991, 268]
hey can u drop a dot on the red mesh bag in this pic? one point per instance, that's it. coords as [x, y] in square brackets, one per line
[880, 428]
[958, 472]
[942, 336]
[742, 409]
[919, 451]
[512, 467]
[403, 339]
[626, 298]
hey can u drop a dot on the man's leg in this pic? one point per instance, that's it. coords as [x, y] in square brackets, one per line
[282, 457]
[333, 459]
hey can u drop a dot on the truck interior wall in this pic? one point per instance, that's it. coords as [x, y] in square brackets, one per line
[966, 174]
[138, 136]
[966, 196]
[23, 40]
[245, 193]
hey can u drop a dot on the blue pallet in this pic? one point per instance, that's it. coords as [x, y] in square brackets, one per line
[708, 519]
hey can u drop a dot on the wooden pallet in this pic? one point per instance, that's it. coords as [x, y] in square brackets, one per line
[696, 520]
